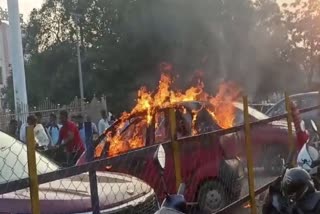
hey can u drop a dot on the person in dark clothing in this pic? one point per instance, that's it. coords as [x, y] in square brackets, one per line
[32, 120]
[13, 128]
[53, 129]
[38, 116]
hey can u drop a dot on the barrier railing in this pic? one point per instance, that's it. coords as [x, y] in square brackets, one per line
[111, 190]
[249, 155]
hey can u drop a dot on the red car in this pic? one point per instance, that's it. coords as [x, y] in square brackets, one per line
[212, 179]
[210, 168]
[269, 141]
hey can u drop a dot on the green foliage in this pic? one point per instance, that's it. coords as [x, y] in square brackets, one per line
[302, 18]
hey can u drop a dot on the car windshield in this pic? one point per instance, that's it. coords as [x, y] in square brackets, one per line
[254, 115]
[14, 161]
[133, 132]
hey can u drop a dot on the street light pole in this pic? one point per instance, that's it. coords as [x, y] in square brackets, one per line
[76, 18]
[80, 72]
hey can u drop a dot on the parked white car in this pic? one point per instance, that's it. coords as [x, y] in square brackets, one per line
[117, 192]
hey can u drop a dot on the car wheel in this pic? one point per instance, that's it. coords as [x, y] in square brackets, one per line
[212, 196]
[272, 161]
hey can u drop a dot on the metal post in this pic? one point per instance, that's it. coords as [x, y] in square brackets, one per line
[175, 146]
[92, 173]
[80, 72]
[249, 155]
[76, 18]
[290, 132]
[17, 60]
[32, 169]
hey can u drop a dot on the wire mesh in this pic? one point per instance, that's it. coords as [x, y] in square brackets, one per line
[118, 192]
[213, 167]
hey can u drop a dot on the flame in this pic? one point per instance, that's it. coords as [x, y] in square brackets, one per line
[221, 109]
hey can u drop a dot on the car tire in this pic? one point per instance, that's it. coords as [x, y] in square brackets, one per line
[212, 196]
[272, 161]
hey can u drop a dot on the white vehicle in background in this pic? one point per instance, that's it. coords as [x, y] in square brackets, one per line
[118, 192]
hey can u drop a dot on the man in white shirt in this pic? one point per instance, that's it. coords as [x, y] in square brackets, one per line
[31, 120]
[40, 134]
[103, 123]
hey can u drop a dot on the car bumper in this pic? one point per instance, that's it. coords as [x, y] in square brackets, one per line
[145, 204]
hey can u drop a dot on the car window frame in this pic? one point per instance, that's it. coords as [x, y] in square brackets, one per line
[153, 130]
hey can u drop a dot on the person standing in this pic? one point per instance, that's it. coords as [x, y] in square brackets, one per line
[81, 129]
[103, 123]
[23, 128]
[53, 129]
[31, 122]
[93, 125]
[13, 127]
[40, 133]
[112, 119]
[70, 135]
[39, 118]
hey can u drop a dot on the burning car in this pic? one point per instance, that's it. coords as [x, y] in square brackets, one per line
[210, 168]
[148, 124]
[205, 175]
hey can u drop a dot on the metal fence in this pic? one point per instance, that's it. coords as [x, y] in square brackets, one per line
[206, 161]
[47, 107]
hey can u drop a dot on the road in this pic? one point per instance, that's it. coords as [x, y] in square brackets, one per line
[260, 180]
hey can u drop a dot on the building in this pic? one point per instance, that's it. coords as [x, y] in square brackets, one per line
[5, 63]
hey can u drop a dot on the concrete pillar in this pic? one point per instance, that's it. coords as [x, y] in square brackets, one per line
[18, 72]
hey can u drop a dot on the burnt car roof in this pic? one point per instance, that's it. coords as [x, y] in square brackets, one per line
[191, 105]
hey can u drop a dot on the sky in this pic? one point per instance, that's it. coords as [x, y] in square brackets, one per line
[25, 6]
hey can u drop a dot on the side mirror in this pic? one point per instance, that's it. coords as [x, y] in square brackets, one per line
[314, 126]
[160, 157]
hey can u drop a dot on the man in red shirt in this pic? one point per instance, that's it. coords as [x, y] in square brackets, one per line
[70, 135]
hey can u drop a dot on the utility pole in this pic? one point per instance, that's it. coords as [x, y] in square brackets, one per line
[76, 18]
[17, 60]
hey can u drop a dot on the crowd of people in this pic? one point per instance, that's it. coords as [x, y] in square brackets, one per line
[68, 132]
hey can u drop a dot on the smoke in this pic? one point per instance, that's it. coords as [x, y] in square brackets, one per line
[227, 39]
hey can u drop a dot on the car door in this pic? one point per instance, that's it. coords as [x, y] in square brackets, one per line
[133, 137]
[160, 134]
[200, 153]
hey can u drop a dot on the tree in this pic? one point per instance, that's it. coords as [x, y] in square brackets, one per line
[302, 17]
[124, 42]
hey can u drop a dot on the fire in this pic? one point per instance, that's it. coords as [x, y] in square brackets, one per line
[221, 109]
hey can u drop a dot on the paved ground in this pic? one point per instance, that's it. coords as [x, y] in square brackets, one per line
[260, 180]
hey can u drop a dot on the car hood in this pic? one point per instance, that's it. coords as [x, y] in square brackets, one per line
[72, 194]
